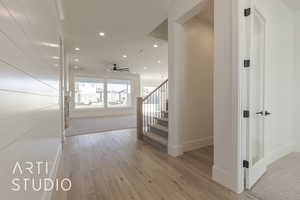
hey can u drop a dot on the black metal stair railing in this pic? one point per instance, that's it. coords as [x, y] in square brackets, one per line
[151, 107]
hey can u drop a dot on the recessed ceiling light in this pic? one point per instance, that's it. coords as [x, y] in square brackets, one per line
[102, 34]
[77, 49]
[145, 67]
[158, 61]
[55, 57]
[76, 60]
[155, 45]
[124, 56]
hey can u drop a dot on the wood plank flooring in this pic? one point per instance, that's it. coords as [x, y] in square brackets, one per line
[116, 166]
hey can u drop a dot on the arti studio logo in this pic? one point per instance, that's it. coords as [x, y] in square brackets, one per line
[30, 176]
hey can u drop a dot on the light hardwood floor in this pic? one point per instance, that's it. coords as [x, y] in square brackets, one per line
[116, 166]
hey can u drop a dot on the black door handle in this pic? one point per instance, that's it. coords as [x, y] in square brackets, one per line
[260, 113]
[267, 113]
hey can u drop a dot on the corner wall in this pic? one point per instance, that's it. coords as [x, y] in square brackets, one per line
[227, 159]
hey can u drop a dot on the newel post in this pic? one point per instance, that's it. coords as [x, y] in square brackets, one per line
[139, 117]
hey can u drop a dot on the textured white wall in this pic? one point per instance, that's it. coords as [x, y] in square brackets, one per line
[29, 90]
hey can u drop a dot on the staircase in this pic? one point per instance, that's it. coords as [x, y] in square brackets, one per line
[152, 117]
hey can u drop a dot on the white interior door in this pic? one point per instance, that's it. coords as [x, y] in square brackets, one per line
[256, 128]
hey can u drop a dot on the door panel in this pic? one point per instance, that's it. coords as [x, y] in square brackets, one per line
[256, 132]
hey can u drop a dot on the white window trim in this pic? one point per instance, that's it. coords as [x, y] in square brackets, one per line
[105, 82]
[102, 80]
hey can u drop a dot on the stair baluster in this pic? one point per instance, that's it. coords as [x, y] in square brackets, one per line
[152, 116]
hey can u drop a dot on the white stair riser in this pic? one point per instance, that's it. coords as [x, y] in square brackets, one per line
[159, 132]
[162, 122]
[154, 143]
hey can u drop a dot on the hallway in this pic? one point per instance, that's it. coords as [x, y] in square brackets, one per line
[115, 166]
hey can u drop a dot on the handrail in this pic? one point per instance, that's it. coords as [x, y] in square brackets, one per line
[150, 108]
[145, 98]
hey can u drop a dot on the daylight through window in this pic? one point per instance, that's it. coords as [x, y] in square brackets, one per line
[118, 93]
[97, 93]
[89, 93]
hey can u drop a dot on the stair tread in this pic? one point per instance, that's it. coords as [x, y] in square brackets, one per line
[163, 118]
[160, 127]
[157, 138]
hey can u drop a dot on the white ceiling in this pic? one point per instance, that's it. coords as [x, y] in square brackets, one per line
[127, 25]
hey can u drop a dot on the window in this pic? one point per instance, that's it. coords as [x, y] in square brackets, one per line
[147, 90]
[89, 93]
[118, 93]
[97, 93]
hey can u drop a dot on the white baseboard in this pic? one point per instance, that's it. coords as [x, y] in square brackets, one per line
[224, 178]
[197, 144]
[279, 153]
[174, 151]
[178, 150]
[76, 133]
[53, 172]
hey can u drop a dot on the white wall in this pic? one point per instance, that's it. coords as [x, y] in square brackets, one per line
[280, 60]
[198, 83]
[101, 124]
[29, 90]
[97, 120]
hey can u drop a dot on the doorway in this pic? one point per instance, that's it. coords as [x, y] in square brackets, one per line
[197, 81]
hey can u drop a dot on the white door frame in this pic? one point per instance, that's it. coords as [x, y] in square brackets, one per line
[240, 22]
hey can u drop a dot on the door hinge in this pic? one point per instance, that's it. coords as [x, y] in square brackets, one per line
[246, 114]
[247, 63]
[247, 12]
[246, 164]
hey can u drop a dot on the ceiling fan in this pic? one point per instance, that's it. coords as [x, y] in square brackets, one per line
[119, 69]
